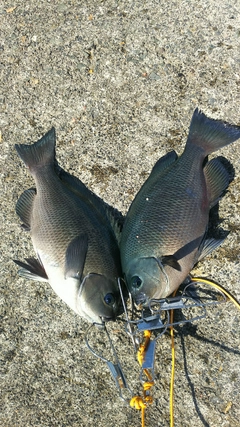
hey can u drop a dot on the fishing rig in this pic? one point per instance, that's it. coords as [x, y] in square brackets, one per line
[146, 325]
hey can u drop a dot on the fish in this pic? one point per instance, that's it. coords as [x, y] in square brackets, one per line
[74, 234]
[164, 233]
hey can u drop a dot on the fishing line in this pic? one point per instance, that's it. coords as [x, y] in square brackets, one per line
[230, 297]
[217, 286]
[171, 402]
[146, 349]
[138, 402]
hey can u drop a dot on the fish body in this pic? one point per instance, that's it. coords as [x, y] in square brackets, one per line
[164, 232]
[72, 235]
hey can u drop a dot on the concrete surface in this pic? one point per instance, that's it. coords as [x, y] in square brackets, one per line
[119, 80]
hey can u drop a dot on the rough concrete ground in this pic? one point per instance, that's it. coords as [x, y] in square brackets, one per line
[119, 80]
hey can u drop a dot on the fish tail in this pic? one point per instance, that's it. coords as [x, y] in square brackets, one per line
[210, 134]
[41, 153]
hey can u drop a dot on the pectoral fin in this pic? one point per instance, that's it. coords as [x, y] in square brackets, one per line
[171, 261]
[33, 269]
[75, 256]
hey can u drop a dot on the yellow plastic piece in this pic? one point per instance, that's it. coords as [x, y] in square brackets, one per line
[138, 402]
[173, 371]
[141, 403]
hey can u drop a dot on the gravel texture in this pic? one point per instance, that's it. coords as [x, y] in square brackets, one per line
[119, 80]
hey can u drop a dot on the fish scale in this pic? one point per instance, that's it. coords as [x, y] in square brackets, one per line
[73, 233]
[164, 233]
[56, 235]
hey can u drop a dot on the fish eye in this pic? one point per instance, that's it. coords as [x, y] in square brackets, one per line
[136, 282]
[109, 299]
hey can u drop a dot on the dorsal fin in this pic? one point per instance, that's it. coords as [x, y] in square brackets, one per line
[105, 210]
[164, 162]
[217, 180]
[116, 220]
[24, 206]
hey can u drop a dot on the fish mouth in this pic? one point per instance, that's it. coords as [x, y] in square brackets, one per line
[99, 325]
[107, 319]
[140, 298]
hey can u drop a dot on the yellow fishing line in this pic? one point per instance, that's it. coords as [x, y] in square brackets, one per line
[219, 287]
[230, 297]
[172, 372]
[138, 402]
[141, 403]
[171, 403]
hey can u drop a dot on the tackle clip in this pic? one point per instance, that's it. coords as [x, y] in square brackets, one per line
[115, 368]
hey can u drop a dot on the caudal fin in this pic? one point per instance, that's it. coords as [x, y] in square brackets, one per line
[41, 153]
[211, 134]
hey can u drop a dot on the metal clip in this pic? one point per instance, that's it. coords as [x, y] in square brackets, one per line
[117, 374]
[115, 368]
[147, 367]
[156, 316]
[150, 323]
[148, 362]
[129, 324]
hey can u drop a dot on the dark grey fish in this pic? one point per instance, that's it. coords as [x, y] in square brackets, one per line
[164, 233]
[73, 234]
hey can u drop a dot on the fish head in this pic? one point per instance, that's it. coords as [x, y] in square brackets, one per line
[99, 298]
[146, 279]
